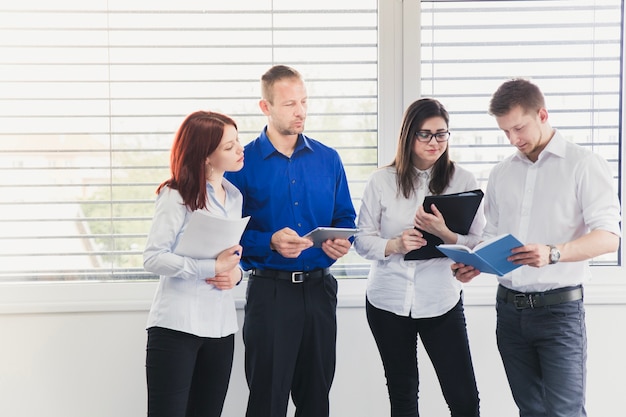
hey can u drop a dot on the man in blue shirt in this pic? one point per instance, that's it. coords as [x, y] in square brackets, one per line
[291, 184]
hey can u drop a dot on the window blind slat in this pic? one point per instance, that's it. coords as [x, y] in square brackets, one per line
[571, 49]
[92, 93]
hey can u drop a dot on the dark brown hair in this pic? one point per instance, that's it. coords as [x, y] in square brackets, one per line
[197, 137]
[516, 92]
[414, 117]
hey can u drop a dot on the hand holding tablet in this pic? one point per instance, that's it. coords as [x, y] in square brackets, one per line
[322, 234]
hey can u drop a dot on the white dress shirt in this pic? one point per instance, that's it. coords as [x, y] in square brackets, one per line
[568, 192]
[424, 288]
[183, 300]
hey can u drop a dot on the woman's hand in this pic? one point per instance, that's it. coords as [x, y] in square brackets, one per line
[434, 224]
[228, 259]
[226, 280]
[409, 240]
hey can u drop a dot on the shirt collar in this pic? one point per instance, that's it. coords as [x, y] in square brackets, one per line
[268, 149]
[427, 172]
[214, 205]
[556, 146]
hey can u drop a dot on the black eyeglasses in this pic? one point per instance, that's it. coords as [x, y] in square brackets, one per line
[426, 136]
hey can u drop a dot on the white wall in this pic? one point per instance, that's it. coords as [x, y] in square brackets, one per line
[84, 357]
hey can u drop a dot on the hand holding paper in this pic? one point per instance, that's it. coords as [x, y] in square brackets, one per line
[206, 236]
[228, 259]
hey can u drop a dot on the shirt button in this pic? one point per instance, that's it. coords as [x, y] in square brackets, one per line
[296, 203]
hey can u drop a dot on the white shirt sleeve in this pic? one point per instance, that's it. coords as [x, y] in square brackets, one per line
[170, 219]
[369, 243]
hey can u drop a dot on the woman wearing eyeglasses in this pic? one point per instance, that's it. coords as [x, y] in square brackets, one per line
[407, 300]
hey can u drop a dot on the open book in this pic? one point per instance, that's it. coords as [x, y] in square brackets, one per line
[207, 235]
[488, 256]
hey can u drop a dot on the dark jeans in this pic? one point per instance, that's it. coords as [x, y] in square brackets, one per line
[187, 375]
[445, 341]
[544, 351]
[290, 333]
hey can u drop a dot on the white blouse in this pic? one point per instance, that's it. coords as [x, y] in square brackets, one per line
[419, 289]
[183, 300]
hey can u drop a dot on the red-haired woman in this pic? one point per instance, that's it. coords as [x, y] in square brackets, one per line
[192, 321]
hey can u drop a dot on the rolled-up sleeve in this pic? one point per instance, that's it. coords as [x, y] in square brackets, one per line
[600, 204]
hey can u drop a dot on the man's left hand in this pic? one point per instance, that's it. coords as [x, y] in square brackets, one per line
[533, 254]
[336, 248]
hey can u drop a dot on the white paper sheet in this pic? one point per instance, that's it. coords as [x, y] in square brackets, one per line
[207, 235]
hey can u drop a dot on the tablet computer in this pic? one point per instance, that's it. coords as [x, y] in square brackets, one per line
[322, 234]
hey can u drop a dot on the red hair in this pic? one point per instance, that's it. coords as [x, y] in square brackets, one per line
[197, 137]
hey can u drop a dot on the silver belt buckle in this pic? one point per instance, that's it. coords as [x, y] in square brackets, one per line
[524, 301]
[520, 301]
[297, 277]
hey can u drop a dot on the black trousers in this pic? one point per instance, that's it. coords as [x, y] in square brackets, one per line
[444, 339]
[290, 333]
[187, 375]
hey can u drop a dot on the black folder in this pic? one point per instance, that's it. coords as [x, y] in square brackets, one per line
[458, 210]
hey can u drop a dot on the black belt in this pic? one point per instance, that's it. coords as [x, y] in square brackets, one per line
[539, 299]
[295, 277]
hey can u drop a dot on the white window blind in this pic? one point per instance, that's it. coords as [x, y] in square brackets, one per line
[571, 49]
[91, 94]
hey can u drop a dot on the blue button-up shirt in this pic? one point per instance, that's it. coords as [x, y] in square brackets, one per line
[304, 191]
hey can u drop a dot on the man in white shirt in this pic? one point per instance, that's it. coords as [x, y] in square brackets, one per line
[559, 199]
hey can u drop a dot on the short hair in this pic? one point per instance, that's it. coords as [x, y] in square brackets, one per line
[274, 74]
[516, 92]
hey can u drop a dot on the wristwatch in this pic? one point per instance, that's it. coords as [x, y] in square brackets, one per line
[555, 254]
